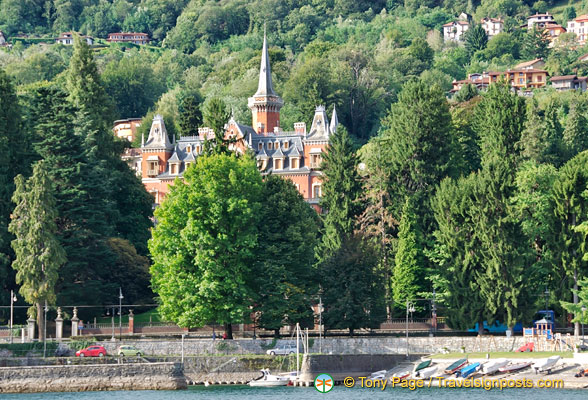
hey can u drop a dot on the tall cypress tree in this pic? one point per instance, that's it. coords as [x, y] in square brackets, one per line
[575, 135]
[39, 255]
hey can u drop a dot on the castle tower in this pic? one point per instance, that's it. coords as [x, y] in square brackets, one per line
[265, 104]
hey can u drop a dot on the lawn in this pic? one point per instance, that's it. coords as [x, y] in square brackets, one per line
[138, 319]
[505, 354]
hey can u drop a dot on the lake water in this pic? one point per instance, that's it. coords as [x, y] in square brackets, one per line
[283, 393]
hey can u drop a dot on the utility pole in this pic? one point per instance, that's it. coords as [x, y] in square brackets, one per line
[120, 297]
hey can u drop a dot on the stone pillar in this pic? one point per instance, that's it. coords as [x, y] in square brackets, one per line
[31, 329]
[75, 323]
[59, 325]
[131, 322]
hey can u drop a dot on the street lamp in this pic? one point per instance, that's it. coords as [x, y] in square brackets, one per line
[546, 293]
[120, 297]
[583, 312]
[12, 300]
[434, 313]
[409, 308]
[45, 331]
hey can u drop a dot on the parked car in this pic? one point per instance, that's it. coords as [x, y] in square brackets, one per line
[129, 351]
[91, 351]
[283, 350]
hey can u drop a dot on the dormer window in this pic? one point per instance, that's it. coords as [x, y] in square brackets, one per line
[174, 168]
[277, 145]
[270, 146]
[260, 146]
[278, 163]
[188, 149]
[197, 149]
[295, 163]
[286, 145]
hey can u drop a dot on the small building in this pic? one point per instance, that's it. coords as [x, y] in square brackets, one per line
[553, 31]
[526, 79]
[455, 30]
[479, 80]
[133, 158]
[579, 26]
[537, 63]
[540, 20]
[568, 82]
[128, 37]
[67, 38]
[126, 128]
[492, 26]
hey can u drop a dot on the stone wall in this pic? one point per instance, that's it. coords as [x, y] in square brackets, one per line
[367, 345]
[77, 378]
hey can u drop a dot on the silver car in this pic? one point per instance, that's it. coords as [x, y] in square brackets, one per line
[282, 350]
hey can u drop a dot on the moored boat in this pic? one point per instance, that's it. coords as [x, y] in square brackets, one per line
[401, 375]
[546, 364]
[456, 366]
[425, 373]
[468, 370]
[422, 365]
[493, 366]
[268, 380]
[515, 367]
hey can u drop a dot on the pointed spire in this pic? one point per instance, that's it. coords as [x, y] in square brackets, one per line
[334, 121]
[265, 73]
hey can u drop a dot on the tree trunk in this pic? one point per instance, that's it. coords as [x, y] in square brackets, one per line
[277, 333]
[350, 332]
[481, 328]
[576, 324]
[229, 331]
[40, 323]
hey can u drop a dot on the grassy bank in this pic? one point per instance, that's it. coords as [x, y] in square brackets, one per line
[505, 354]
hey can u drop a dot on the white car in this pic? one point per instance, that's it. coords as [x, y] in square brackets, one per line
[284, 350]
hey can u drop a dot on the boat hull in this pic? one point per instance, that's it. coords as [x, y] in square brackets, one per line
[456, 366]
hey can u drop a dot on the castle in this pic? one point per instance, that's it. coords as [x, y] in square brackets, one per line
[294, 155]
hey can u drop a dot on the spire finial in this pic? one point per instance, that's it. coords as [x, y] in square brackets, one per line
[265, 72]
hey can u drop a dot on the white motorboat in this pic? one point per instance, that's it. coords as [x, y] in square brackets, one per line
[378, 375]
[268, 380]
[425, 373]
[493, 366]
[546, 364]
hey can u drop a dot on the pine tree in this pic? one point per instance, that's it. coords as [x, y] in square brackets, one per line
[190, 115]
[536, 44]
[542, 139]
[475, 39]
[341, 188]
[575, 135]
[467, 92]
[409, 277]
[216, 116]
[39, 255]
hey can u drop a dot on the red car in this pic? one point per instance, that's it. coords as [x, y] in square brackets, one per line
[91, 351]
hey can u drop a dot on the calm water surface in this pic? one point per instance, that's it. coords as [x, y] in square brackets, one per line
[339, 393]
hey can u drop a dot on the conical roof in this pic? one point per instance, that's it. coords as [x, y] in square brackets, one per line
[265, 86]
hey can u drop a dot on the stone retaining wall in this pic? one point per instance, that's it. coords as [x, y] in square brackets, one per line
[373, 345]
[77, 378]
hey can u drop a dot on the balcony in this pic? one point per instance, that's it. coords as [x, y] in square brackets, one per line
[152, 172]
[315, 165]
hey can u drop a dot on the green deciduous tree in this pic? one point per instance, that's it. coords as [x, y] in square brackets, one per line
[39, 255]
[204, 243]
[284, 275]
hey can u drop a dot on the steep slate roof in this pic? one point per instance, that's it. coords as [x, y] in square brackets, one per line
[265, 86]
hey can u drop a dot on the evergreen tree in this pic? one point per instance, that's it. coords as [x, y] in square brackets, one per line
[467, 92]
[541, 139]
[352, 291]
[85, 86]
[510, 281]
[190, 115]
[575, 135]
[475, 39]
[39, 254]
[571, 211]
[536, 44]
[409, 277]
[341, 188]
[216, 116]
[288, 233]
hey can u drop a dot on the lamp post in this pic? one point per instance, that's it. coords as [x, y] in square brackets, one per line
[434, 313]
[583, 312]
[409, 308]
[120, 297]
[45, 331]
[320, 325]
[12, 300]
[546, 293]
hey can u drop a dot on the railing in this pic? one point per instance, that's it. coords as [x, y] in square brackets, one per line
[152, 172]
[315, 165]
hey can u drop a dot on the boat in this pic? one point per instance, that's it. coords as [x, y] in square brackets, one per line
[425, 373]
[493, 366]
[546, 364]
[515, 367]
[468, 370]
[378, 375]
[401, 375]
[456, 366]
[422, 365]
[268, 380]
